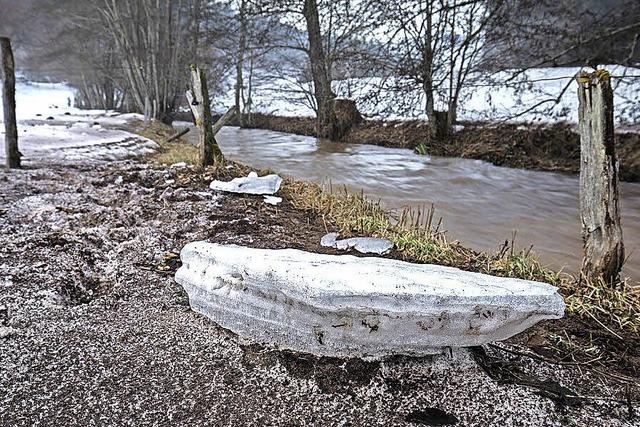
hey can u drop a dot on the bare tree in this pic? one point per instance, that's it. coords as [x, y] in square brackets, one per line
[534, 33]
[439, 45]
[324, 96]
[240, 100]
[150, 40]
[530, 34]
[333, 33]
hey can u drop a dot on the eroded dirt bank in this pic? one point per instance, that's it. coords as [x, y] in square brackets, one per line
[96, 332]
[554, 147]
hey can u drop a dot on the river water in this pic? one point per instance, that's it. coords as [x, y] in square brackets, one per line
[481, 204]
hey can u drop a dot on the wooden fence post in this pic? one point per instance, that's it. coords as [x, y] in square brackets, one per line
[9, 104]
[198, 98]
[601, 230]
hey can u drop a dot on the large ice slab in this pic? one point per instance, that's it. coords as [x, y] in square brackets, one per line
[250, 184]
[346, 306]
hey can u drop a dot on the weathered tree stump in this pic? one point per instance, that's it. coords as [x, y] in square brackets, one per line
[342, 116]
[198, 98]
[601, 230]
[9, 104]
[441, 128]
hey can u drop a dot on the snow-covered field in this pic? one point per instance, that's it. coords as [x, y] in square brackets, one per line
[48, 121]
[491, 97]
[50, 128]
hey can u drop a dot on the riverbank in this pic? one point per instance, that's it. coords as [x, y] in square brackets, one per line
[96, 331]
[354, 214]
[545, 147]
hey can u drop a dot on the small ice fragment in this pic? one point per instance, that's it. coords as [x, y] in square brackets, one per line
[272, 200]
[329, 240]
[366, 245]
[118, 180]
[179, 165]
[170, 181]
[363, 245]
[251, 184]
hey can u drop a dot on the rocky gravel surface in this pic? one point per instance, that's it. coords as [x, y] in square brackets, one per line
[95, 332]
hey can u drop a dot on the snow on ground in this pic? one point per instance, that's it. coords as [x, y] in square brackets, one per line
[46, 99]
[49, 127]
[100, 329]
[493, 97]
[79, 141]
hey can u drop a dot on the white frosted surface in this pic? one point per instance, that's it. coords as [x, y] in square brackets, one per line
[51, 130]
[365, 245]
[272, 200]
[251, 184]
[356, 307]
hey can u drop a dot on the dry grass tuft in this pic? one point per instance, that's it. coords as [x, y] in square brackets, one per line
[415, 234]
[618, 306]
[170, 152]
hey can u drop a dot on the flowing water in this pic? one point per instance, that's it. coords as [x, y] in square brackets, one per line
[481, 204]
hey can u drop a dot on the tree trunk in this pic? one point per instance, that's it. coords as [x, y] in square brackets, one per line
[601, 230]
[321, 81]
[9, 104]
[247, 106]
[198, 98]
[242, 47]
[440, 126]
[195, 31]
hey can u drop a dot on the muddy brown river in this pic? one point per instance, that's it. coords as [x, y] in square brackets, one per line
[481, 204]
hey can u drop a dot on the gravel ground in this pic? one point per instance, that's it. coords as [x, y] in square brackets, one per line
[94, 331]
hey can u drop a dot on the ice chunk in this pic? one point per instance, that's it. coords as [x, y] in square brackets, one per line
[272, 200]
[348, 306]
[329, 240]
[365, 245]
[251, 184]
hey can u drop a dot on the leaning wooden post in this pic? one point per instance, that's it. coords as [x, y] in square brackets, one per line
[223, 120]
[9, 104]
[198, 98]
[601, 230]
